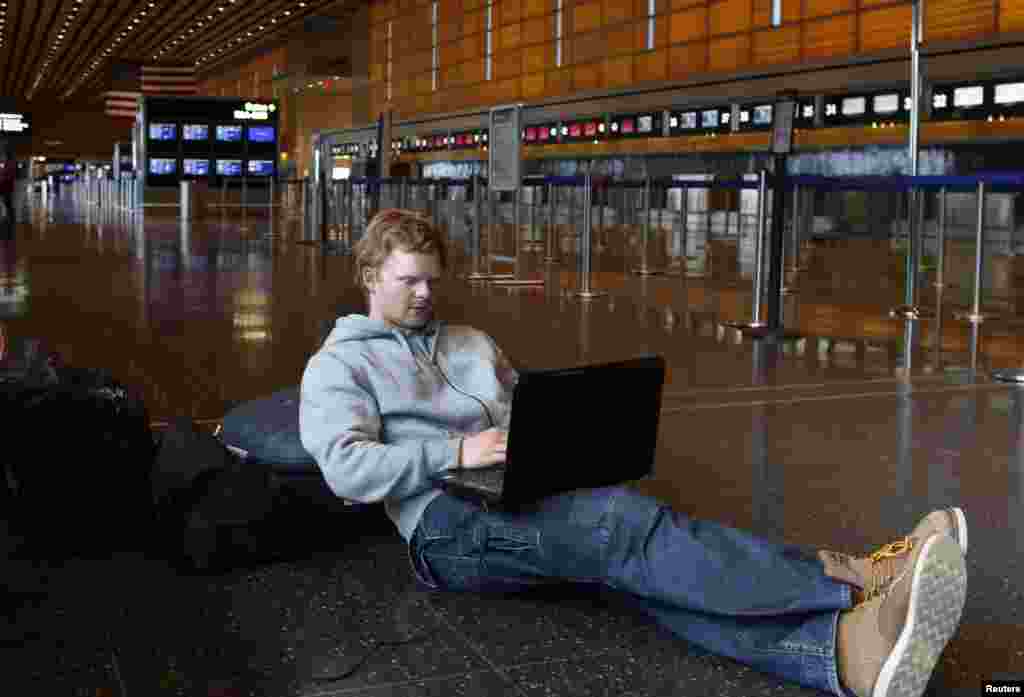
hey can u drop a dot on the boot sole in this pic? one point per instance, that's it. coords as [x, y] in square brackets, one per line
[938, 592]
[961, 528]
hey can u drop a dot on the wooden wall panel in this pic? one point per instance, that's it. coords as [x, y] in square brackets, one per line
[651, 66]
[532, 8]
[586, 17]
[509, 37]
[538, 58]
[605, 42]
[1011, 16]
[885, 28]
[830, 38]
[660, 33]
[618, 72]
[780, 45]
[687, 60]
[589, 76]
[616, 11]
[729, 53]
[537, 30]
[826, 8]
[959, 19]
[559, 81]
[619, 39]
[688, 25]
[729, 16]
[588, 48]
[532, 86]
[509, 12]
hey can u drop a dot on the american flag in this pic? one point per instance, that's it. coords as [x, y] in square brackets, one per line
[133, 81]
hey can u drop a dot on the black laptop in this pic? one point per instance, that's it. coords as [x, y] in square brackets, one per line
[572, 428]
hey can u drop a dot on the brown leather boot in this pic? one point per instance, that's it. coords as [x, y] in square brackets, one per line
[888, 645]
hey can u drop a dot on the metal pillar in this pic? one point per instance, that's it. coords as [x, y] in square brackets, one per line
[974, 315]
[515, 280]
[762, 211]
[909, 309]
[586, 292]
[644, 269]
[552, 234]
[940, 272]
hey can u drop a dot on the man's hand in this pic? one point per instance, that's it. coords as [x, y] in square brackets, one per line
[485, 449]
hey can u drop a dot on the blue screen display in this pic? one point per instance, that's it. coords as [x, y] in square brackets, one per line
[196, 131]
[261, 168]
[229, 134]
[261, 134]
[229, 168]
[197, 167]
[163, 131]
[162, 165]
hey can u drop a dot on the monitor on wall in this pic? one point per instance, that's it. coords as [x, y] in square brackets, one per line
[229, 134]
[261, 168]
[261, 134]
[229, 168]
[195, 132]
[163, 166]
[196, 167]
[163, 132]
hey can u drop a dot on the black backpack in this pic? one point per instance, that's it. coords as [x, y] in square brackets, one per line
[77, 453]
[209, 501]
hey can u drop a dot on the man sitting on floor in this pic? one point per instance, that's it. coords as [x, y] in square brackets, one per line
[396, 396]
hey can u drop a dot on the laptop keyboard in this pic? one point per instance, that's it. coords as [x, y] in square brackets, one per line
[490, 479]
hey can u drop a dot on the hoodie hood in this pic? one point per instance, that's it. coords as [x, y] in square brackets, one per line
[360, 327]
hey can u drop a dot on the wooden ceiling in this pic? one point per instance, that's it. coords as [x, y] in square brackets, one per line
[64, 49]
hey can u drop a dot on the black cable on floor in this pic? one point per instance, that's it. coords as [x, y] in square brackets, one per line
[342, 673]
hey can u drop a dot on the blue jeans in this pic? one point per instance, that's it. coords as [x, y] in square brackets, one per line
[767, 605]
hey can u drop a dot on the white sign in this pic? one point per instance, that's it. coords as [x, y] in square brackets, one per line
[255, 111]
[504, 166]
[13, 123]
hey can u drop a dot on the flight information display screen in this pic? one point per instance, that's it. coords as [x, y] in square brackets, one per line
[229, 134]
[196, 131]
[163, 131]
[969, 96]
[162, 165]
[886, 103]
[763, 115]
[197, 167]
[261, 168]
[229, 168]
[1010, 93]
[261, 134]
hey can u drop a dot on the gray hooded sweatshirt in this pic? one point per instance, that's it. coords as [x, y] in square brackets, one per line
[383, 409]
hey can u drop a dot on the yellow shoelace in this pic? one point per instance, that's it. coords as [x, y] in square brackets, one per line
[884, 566]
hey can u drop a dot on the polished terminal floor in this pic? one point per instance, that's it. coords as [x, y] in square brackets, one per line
[842, 436]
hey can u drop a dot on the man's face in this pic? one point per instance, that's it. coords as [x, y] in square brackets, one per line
[402, 294]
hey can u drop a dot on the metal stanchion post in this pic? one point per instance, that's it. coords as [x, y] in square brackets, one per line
[586, 292]
[909, 309]
[552, 234]
[794, 261]
[476, 273]
[974, 315]
[759, 247]
[940, 273]
[514, 279]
